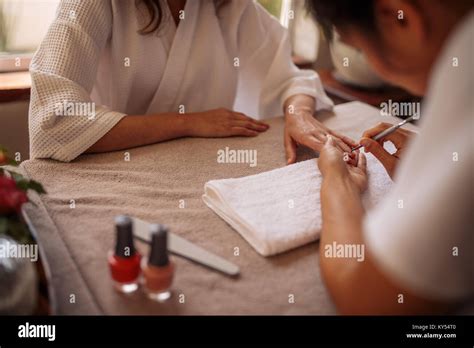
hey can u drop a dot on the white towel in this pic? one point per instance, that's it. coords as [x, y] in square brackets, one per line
[280, 210]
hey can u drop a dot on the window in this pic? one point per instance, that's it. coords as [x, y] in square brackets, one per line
[303, 32]
[23, 24]
[272, 6]
[278, 8]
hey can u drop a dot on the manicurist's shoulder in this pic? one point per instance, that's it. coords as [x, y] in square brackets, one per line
[452, 74]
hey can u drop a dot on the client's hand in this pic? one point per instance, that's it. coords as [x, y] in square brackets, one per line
[223, 123]
[302, 128]
[400, 138]
[332, 162]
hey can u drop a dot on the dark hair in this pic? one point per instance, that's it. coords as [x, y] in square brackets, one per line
[155, 12]
[330, 13]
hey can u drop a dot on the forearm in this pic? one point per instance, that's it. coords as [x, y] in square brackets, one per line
[342, 214]
[342, 210]
[139, 130]
[356, 285]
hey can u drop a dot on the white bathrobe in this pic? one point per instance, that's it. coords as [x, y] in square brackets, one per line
[238, 59]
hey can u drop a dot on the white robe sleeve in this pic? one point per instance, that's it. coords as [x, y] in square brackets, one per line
[267, 70]
[64, 70]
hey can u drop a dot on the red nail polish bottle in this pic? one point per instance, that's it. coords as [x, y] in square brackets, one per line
[124, 262]
[158, 270]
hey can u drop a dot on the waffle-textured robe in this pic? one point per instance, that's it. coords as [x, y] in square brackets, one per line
[237, 57]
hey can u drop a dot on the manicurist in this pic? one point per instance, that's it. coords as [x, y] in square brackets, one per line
[156, 70]
[419, 243]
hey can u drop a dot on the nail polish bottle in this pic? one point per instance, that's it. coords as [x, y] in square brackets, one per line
[158, 270]
[124, 262]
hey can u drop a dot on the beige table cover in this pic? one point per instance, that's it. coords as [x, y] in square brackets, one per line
[74, 223]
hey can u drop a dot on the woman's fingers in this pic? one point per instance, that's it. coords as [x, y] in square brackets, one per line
[342, 145]
[242, 117]
[329, 142]
[313, 143]
[249, 125]
[290, 149]
[350, 143]
[243, 131]
[316, 142]
[349, 155]
[319, 136]
[331, 151]
[343, 142]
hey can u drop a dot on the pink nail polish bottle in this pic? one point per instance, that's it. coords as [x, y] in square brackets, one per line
[158, 270]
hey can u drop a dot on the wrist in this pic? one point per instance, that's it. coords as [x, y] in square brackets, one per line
[185, 126]
[299, 112]
[299, 104]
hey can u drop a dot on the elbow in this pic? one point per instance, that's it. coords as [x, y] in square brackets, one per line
[353, 288]
[43, 146]
[359, 288]
[337, 278]
[44, 136]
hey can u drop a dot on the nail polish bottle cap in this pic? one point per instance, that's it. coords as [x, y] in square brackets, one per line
[124, 246]
[159, 246]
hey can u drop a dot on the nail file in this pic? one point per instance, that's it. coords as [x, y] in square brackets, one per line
[180, 246]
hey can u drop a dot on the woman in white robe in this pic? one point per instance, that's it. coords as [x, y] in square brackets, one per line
[208, 70]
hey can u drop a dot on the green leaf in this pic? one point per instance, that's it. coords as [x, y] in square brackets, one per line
[3, 225]
[24, 184]
[12, 162]
[36, 186]
[18, 231]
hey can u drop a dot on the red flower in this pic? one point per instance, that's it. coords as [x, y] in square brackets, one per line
[3, 158]
[11, 197]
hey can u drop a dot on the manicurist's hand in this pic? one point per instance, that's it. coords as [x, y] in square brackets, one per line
[400, 138]
[302, 128]
[223, 123]
[332, 162]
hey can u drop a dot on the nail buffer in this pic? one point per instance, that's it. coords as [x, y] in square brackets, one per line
[180, 246]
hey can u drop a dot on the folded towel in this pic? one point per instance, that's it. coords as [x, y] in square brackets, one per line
[280, 210]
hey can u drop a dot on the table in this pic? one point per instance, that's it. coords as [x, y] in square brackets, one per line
[74, 224]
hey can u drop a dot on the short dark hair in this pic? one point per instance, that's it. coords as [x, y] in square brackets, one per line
[330, 13]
